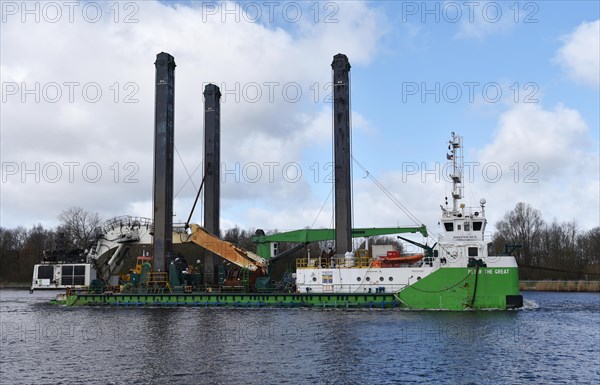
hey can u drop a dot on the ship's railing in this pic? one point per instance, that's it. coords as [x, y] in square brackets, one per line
[333, 262]
[159, 280]
[376, 287]
[76, 290]
[132, 222]
[126, 220]
[471, 211]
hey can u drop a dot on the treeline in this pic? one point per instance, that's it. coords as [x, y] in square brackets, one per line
[553, 250]
[556, 250]
[21, 248]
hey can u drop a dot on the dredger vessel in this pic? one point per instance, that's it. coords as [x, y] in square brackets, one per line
[456, 273]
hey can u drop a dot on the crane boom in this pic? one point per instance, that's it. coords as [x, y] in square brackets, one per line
[314, 235]
[226, 250]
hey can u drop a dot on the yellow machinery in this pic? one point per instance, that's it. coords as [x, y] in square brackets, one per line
[227, 250]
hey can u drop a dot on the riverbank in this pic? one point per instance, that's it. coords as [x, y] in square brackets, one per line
[15, 285]
[547, 285]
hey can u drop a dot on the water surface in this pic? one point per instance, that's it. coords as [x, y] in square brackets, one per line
[554, 340]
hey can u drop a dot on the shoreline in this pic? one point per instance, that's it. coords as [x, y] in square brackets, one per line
[15, 285]
[562, 286]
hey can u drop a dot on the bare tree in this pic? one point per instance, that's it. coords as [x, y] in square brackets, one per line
[242, 238]
[81, 227]
[11, 244]
[20, 249]
[588, 244]
[523, 226]
[558, 245]
[12, 239]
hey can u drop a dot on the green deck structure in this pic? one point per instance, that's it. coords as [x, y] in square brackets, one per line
[239, 300]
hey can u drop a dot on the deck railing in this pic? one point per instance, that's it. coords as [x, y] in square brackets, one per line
[333, 262]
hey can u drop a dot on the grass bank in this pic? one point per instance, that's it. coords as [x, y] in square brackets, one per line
[14, 285]
[581, 286]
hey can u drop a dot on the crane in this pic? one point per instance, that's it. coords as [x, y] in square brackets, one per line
[227, 250]
[306, 236]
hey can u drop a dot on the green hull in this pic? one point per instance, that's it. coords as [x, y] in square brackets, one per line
[465, 288]
[445, 289]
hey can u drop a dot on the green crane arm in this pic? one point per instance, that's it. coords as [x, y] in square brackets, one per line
[314, 235]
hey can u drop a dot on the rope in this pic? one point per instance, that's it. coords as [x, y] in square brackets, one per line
[321, 209]
[186, 171]
[475, 287]
[395, 200]
[386, 192]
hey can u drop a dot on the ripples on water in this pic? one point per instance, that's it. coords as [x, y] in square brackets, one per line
[555, 339]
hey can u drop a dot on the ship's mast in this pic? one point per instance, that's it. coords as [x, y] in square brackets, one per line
[456, 156]
[164, 115]
[341, 154]
[212, 162]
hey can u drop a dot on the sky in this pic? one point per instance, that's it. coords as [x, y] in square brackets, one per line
[519, 81]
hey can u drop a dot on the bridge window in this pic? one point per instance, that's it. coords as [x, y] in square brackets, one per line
[449, 226]
[73, 275]
[477, 225]
[473, 251]
[45, 272]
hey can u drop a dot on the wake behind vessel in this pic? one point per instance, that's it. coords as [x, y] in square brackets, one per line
[455, 273]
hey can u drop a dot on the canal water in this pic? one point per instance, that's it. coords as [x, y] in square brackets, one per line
[555, 339]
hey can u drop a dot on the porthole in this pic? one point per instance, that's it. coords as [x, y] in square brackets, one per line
[381, 279]
[391, 279]
[314, 279]
[368, 279]
[418, 278]
[358, 279]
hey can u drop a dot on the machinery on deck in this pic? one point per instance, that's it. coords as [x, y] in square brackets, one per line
[250, 266]
[456, 273]
[227, 250]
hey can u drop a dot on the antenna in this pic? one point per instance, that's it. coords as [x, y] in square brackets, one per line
[456, 156]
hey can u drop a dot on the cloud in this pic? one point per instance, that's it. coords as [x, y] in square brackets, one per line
[88, 107]
[537, 155]
[580, 53]
[545, 158]
[527, 133]
[540, 156]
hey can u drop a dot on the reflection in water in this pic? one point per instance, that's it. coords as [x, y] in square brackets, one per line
[555, 341]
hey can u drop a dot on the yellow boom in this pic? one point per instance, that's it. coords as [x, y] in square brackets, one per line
[226, 250]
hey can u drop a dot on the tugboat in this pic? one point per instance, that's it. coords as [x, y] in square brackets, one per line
[456, 273]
